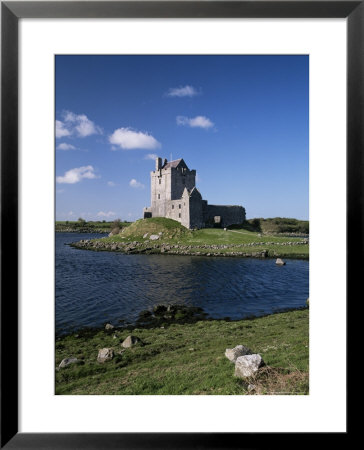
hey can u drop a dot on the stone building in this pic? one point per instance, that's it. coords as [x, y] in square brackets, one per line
[174, 195]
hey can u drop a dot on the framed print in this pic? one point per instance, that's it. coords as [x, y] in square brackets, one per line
[105, 113]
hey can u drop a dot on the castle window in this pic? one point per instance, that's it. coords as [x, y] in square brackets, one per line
[159, 195]
[179, 206]
[172, 206]
[179, 215]
[160, 181]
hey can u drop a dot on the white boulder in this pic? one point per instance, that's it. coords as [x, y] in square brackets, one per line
[67, 362]
[130, 341]
[105, 354]
[248, 365]
[233, 353]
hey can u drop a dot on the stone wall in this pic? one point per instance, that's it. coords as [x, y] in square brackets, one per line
[196, 216]
[230, 215]
[177, 210]
[180, 178]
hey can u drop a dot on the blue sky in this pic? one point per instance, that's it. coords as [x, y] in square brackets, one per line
[241, 121]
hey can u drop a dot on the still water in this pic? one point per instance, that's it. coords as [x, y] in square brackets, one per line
[97, 287]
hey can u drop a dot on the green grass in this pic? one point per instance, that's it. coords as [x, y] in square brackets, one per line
[170, 228]
[189, 359]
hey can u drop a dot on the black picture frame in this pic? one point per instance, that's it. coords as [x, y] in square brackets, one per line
[11, 12]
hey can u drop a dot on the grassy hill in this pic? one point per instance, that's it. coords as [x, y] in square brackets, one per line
[169, 228]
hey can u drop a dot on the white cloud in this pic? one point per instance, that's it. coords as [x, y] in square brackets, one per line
[128, 139]
[60, 191]
[195, 122]
[182, 91]
[64, 146]
[61, 130]
[111, 183]
[81, 124]
[106, 214]
[75, 175]
[151, 156]
[136, 184]
[78, 125]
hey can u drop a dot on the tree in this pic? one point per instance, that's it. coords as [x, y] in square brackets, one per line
[81, 221]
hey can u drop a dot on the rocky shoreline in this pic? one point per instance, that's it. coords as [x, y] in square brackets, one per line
[146, 247]
[82, 230]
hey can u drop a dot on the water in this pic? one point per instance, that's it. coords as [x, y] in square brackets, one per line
[97, 287]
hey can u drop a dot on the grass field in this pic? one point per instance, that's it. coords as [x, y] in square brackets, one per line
[189, 358]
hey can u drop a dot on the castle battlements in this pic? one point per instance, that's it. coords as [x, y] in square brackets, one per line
[174, 195]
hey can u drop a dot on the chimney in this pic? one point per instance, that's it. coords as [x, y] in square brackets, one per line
[158, 163]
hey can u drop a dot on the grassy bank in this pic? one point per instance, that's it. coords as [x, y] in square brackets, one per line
[189, 358]
[175, 239]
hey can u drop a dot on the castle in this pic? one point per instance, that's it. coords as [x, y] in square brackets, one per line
[174, 195]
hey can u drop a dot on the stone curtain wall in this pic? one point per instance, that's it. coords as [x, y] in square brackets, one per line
[230, 215]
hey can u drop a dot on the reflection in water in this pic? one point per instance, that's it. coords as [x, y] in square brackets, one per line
[95, 287]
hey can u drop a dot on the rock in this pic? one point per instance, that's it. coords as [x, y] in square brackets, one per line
[160, 309]
[308, 301]
[248, 365]
[280, 262]
[105, 354]
[67, 362]
[130, 341]
[251, 387]
[154, 237]
[233, 353]
[108, 326]
[160, 233]
[145, 235]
